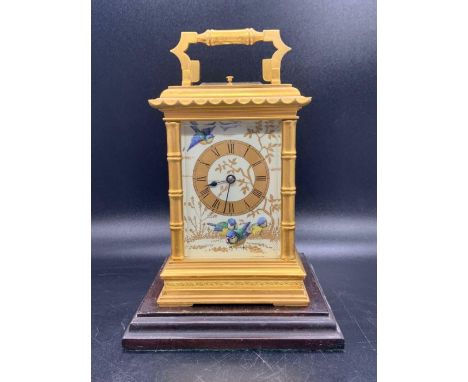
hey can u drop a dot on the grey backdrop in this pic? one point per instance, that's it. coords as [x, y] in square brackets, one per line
[334, 61]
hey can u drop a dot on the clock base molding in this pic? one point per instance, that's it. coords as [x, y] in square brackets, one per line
[243, 291]
[276, 282]
[235, 326]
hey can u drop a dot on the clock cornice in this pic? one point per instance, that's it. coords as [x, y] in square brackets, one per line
[237, 101]
[242, 94]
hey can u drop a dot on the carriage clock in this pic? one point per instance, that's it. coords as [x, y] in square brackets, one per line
[231, 151]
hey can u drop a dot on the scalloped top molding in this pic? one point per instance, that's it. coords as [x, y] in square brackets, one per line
[299, 101]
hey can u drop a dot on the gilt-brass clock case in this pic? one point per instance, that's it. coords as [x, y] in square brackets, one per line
[216, 279]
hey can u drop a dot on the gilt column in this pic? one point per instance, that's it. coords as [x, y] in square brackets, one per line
[288, 189]
[176, 219]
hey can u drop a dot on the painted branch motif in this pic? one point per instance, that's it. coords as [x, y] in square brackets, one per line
[196, 223]
[267, 136]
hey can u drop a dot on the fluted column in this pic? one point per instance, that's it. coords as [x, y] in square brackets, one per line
[176, 219]
[288, 189]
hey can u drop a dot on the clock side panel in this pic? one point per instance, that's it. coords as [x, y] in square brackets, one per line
[257, 230]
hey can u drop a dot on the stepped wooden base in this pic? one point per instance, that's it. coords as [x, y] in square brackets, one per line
[274, 282]
[221, 327]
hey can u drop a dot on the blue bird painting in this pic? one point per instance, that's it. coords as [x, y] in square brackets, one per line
[256, 228]
[203, 136]
[224, 227]
[238, 236]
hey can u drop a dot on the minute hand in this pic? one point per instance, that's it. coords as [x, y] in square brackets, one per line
[227, 196]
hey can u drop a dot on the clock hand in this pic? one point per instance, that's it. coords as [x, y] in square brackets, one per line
[227, 196]
[214, 183]
[229, 179]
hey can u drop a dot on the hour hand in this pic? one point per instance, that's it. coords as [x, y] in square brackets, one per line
[214, 183]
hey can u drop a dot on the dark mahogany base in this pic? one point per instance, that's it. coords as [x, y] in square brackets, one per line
[220, 327]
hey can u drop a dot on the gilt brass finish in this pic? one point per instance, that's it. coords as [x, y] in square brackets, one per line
[239, 101]
[275, 282]
[253, 281]
[191, 68]
[288, 189]
[176, 218]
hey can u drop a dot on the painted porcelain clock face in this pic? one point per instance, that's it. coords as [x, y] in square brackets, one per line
[231, 177]
[232, 174]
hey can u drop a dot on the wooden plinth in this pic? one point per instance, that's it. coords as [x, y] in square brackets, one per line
[220, 327]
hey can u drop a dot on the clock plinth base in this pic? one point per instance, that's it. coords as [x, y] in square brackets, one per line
[188, 283]
[235, 326]
[192, 282]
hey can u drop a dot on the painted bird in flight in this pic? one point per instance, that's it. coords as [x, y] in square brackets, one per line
[224, 227]
[226, 125]
[256, 228]
[203, 136]
[238, 236]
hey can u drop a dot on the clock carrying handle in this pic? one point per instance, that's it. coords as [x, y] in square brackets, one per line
[271, 67]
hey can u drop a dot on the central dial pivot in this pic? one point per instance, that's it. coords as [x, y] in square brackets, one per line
[230, 179]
